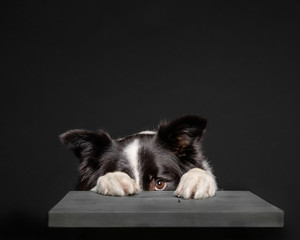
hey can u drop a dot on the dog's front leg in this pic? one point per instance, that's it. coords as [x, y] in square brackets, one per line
[197, 184]
[116, 184]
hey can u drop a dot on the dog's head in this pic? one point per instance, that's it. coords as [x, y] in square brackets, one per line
[156, 160]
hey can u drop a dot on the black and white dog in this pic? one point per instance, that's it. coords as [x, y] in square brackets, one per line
[168, 159]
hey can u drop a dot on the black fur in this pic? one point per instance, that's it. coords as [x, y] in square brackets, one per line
[167, 155]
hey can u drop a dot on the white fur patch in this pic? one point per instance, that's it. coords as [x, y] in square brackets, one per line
[143, 132]
[147, 132]
[196, 183]
[131, 152]
[207, 167]
[116, 184]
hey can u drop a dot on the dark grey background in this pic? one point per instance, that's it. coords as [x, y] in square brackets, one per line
[124, 66]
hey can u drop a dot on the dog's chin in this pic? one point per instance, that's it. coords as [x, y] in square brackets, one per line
[196, 184]
[116, 184]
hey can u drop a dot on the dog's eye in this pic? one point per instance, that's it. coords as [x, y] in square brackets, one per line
[160, 185]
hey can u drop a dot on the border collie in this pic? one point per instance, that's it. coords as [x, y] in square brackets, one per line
[168, 159]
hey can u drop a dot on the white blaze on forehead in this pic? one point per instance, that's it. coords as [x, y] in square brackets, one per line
[131, 151]
[143, 132]
[147, 132]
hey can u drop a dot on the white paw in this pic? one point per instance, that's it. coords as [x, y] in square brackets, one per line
[116, 184]
[196, 183]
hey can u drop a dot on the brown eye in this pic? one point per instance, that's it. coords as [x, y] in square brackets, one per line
[160, 185]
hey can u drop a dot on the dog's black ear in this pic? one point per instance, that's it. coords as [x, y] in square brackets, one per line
[85, 143]
[182, 135]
